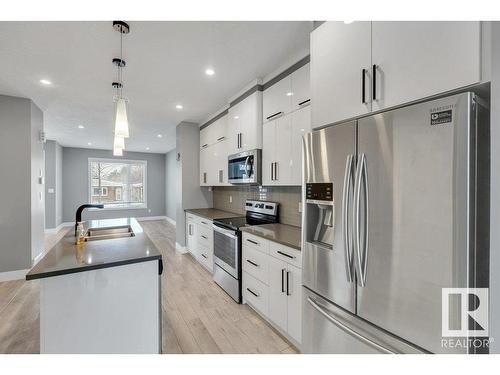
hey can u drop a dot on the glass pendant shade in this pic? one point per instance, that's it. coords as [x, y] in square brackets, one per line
[119, 142]
[121, 121]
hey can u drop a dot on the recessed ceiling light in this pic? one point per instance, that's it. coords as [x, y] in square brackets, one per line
[209, 72]
[45, 82]
[89, 143]
[159, 136]
[179, 106]
[289, 93]
[236, 117]
[81, 127]
[147, 148]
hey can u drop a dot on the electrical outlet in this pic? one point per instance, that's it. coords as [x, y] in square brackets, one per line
[230, 199]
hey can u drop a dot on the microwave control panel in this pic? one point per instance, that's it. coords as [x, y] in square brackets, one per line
[319, 191]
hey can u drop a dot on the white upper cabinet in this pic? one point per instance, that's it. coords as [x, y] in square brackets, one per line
[245, 124]
[339, 53]
[204, 173]
[301, 124]
[301, 89]
[414, 60]
[214, 132]
[277, 99]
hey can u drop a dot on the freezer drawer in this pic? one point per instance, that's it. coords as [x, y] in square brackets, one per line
[328, 329]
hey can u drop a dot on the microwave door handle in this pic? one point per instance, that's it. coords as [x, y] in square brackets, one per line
[246, 166]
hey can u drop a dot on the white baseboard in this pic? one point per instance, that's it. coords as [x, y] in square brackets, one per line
[13, 275]
[180, 249]
[171, 221]
[58, 228]
[147, 218]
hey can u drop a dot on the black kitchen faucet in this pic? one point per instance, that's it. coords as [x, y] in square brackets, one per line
[79, 210]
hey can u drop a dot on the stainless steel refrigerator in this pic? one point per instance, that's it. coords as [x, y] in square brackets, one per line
[396, 209]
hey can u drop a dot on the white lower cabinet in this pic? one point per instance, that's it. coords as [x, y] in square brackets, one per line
[272, 283]
[200, 240]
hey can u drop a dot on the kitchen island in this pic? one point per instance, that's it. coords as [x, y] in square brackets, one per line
[102, 296]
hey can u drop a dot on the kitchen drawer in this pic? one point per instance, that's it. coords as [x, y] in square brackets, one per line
[205, 236]
[256, 263]
[256, 242]
[256, 293]
[285, 253]
[204, 222]
[206, 257]
[191, 217]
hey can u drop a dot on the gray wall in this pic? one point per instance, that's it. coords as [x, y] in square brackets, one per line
[53, 181]
[75, 184]
[21, 158]
[171, 184]
[190, 194]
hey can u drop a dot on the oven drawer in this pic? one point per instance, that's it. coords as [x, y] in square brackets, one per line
[256, 264]
[285, 253]
[255, 242]
[256, 293]
[205, 236]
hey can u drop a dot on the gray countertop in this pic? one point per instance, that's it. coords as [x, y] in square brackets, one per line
[66, 257]
[287, 235]
[212, 213]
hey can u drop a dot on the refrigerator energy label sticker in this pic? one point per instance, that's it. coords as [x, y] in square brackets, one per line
[442, 117]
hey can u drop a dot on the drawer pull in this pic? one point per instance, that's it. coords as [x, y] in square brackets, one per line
[252, 263]
[205, 145]
[204, 222]
[252, 241]
[205, 237]
[221, 138]
[251, 291]
[204, 256]
[286, 255]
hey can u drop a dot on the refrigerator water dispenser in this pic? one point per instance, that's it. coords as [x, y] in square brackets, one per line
[320, 214]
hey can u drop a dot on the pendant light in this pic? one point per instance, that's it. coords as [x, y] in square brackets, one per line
[121, 119]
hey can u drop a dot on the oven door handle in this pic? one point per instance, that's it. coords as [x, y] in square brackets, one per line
[225, 232]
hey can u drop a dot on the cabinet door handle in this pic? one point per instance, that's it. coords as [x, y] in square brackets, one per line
[274, 115]
[252, 241]
[363, 86]
[204, 222]
[241, 140]
[252, 263]
[272, 172]
[276, 171]
[304, 102]
[251, 291]
[205, 145]
[220, 138]
[204, 177]
[374, 78]
[288, 283]
[283, 280]
[221, 175]
[205, 237]
[286, 255]
[204, 256]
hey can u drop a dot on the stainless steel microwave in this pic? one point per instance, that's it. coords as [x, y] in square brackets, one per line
[245, 167]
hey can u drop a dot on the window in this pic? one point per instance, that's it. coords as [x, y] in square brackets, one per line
[117, 183]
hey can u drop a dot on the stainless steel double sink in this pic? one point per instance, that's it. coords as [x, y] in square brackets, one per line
[95, 234]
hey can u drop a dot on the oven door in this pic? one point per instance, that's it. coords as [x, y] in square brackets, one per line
[244, 168]
[226, 250]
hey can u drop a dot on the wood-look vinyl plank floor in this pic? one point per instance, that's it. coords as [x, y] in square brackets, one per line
[198, 316]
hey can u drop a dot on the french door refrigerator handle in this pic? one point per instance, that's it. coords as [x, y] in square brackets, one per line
[345, 216]
[357, 219]
[346, 329]
[367, 207]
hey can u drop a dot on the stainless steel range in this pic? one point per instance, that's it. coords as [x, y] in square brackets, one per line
[227, 243]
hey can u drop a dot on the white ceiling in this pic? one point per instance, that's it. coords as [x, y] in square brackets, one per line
[166, 64]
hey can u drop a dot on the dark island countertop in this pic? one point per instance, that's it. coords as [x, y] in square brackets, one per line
[212, 213]
[284, 234]
[66, 257]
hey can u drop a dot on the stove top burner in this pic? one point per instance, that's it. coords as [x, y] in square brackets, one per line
[258, 212]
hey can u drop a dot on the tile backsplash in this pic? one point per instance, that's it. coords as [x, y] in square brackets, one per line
[288, 197]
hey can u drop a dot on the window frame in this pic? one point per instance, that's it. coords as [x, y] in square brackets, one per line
[118, 161]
